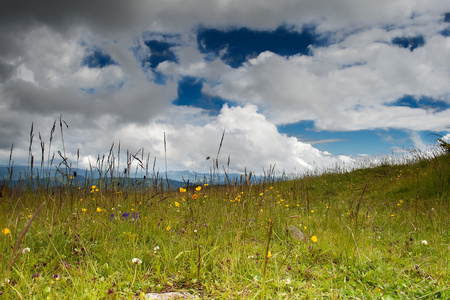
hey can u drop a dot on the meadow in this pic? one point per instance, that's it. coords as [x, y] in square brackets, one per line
[378, 232]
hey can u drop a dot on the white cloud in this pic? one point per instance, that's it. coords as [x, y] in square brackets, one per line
[342, 87]
[345, 86]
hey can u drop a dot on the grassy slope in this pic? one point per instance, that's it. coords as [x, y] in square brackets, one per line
[369, 225]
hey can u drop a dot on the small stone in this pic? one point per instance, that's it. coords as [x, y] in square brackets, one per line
[296, 234]
[169, 296]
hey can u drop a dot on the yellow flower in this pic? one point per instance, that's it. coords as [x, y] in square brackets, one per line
[314, 238]
[194, 196]
[84, 210]
[261, 194]
[6, 231]
[168, 228]
[198, 189]
[269, 254]
[177, 204]
[99, 209]
[182, 190]
[93, 187]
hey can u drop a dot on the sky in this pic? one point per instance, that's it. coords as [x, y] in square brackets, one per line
[296, 85]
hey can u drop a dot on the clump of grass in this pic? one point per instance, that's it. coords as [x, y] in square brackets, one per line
[214, 241]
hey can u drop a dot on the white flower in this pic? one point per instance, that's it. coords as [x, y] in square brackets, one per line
[156, 249]
[26, 250]
[250, 257]
[424, 242]
[287, 281]
[136, 261]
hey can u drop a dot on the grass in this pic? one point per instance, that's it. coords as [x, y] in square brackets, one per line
[373, 233]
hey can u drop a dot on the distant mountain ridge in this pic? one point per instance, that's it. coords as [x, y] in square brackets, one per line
[175, 178]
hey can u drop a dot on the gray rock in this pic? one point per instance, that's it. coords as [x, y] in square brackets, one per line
[169, 296]
[296, 234]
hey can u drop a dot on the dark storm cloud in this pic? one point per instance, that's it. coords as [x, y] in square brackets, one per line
[6, 70]
[63, 15]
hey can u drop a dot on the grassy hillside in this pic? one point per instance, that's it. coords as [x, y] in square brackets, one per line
[375, 233]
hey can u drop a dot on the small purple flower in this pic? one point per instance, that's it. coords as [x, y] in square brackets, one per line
[125, 215]
[111, 217]
[35, 275]
[135, 215]
[56, 277]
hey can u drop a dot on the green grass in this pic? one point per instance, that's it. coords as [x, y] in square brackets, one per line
[370, 226]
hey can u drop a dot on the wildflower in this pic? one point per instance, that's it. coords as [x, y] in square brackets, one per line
[195, 230]
[168, 228]
[269, 254]
[177, 204]
[111, 217]
[84, 210]
[56, 277]
[26, 250]
[182, 190]
[195, 196]
[6, 231]
[261, 194]
[136, 261]
[93, 187]
[206, 184]
[198, 189]
[35, 275]
[250, 257]
[424, 242]
[287, 281]
[156, 249]
[99, 209]
[314, 238]
[135, 215]
[125, 215]
[312, 210]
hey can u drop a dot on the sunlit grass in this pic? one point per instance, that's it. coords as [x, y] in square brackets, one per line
[372, 233]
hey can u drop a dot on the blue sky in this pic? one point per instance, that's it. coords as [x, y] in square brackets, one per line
[293, 84]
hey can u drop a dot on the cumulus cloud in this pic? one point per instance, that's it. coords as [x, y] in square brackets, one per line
[349, 83]
[342, 84]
